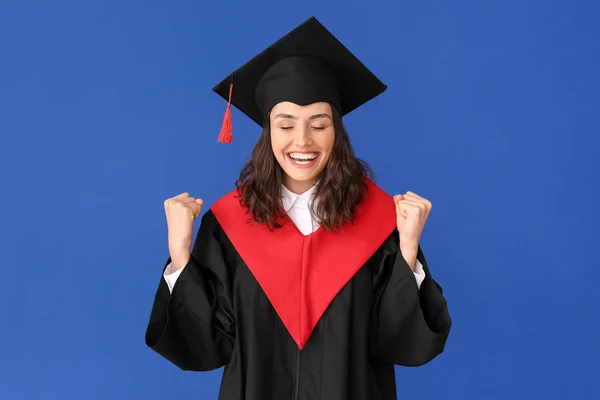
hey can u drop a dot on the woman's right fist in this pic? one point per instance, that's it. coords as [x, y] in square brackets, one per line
[181, 211]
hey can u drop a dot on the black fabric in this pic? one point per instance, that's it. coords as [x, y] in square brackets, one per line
[305, 66]
[301, 80]
[219, 316]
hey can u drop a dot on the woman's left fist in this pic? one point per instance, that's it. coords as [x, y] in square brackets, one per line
[412, 211]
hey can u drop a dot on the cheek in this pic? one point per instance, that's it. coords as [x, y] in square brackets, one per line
[278, 145]
[326, 142]
[275, 141]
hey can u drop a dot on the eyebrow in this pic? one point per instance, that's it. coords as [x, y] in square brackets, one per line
[289, 116]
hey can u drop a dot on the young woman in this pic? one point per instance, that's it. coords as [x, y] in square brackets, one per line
[307, 281]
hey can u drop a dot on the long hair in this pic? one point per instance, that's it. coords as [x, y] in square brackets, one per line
[337, 196]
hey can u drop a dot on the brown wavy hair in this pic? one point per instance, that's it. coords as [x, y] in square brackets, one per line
[340, 190]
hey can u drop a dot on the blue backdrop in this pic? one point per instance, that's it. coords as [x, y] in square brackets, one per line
[492, 112]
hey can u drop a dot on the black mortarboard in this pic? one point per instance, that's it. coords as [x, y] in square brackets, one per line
[306, 66]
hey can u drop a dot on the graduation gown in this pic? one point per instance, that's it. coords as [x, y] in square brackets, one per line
[323, 316]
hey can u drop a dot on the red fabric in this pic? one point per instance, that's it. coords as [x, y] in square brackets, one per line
[300, 274]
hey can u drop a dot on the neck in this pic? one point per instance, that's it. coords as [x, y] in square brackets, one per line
[298, 187]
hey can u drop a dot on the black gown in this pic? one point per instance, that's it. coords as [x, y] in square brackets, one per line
[219, 315]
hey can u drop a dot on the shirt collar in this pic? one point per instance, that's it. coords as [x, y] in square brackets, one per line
[290, 199]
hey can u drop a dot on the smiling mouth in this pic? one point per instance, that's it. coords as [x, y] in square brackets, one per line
[303, 158]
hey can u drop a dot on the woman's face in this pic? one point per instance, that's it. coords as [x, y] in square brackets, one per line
[302, 139]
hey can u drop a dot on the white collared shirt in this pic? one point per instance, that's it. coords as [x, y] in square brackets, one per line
[297, 206]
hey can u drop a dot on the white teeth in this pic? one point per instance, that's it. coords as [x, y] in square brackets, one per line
[303, 162]
[303, 156]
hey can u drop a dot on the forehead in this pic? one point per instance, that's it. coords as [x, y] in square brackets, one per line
[296, 110]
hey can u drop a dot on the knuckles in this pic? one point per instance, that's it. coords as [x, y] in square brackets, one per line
[424, 204]
[421, 208]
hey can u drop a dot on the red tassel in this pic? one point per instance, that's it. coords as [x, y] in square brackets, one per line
[226, 134]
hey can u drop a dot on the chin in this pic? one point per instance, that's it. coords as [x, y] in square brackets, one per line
[302, 178]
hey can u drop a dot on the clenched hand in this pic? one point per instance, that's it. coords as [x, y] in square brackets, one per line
[181, 211]
[412, 211]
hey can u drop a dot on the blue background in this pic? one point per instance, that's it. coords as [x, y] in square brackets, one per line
[492, 111]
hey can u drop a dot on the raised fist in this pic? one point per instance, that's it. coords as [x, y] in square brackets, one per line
[181, 211]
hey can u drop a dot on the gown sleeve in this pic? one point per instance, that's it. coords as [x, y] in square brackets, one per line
[409, 326]
[193, 327]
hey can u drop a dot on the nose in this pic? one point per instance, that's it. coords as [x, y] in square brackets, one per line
[303, 138]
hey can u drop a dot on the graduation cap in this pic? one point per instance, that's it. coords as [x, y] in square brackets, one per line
[305, 66]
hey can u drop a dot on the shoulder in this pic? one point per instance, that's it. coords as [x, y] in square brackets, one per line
[375, 192]
[210, 221]
[209, 225]
[224, 212]
[226, 203]
[377, 212]
[223, 206]
[212, 230]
